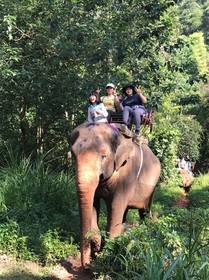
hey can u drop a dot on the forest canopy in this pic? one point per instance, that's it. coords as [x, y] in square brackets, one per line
[53, 53]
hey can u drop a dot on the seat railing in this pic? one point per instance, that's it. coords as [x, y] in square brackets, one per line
[146, 120]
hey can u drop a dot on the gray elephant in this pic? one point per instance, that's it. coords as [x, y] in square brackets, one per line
[112, 167]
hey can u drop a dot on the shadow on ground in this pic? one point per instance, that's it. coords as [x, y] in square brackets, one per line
[68, 269]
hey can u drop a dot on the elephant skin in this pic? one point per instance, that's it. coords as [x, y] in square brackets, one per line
[187, 179]
[112, 167]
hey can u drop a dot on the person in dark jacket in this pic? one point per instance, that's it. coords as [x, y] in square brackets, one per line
[133, 105]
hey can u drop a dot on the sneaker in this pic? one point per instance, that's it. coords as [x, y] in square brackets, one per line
[123, 127]
[136, 140]
[137, 133]
[126, 131]
[140, 140]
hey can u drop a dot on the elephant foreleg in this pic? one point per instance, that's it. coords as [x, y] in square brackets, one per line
[116, 214]
[124, 215]
[144, 213]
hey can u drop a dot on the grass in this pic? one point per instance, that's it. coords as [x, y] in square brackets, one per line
[23, 274]
[172, 246]
[38, 213]
[11, 268]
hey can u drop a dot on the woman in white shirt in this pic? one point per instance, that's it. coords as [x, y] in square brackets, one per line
[96, 110]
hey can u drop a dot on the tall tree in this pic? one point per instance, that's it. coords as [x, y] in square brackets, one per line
[190, 13]
[55, 52]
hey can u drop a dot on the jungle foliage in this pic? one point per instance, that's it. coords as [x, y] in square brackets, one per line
[54, 53]
[39, 222]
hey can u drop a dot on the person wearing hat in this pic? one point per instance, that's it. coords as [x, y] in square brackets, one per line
[133, 106]
[111, 100]
[96, 110]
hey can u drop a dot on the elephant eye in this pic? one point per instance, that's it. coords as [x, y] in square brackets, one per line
[103, 156]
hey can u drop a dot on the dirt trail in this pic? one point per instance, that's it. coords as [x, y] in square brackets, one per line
[74, 269]
[69, 269]
[183, 202]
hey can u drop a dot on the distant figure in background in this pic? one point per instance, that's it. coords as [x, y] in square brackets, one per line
[182, 163]
[178, 162]
[188, 163]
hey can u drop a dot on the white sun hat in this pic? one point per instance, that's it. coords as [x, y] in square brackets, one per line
[110, 85]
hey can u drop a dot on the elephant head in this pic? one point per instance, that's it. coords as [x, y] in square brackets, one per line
[107, 164]
[187, 179]
[103, 142]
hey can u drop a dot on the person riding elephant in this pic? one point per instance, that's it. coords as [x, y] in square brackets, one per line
[111, 167]
[111, 101]
[96, 110]
[133, 106]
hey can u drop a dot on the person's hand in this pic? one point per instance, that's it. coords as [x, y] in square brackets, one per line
[98, 90]
[120, 98]
[99, 111]
[118, 84]
[138, 90]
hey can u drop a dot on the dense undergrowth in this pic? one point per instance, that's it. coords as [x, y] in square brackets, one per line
[174, 245]
[39, 217]
[39, 220]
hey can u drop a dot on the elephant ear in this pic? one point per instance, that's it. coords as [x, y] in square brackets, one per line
[73, 136]
[125, 150]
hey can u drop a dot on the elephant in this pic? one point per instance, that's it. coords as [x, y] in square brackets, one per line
[110, 166]
[187, 178]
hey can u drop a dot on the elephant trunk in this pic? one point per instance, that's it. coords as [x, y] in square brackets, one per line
[87, 182]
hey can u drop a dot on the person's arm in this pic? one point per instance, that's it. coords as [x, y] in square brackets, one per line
[118, 104]
[102, 99]
[123, 102]
[102, 110]
[139, 92]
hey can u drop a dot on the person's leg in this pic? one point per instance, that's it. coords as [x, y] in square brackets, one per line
[138, 113]
[127, 111]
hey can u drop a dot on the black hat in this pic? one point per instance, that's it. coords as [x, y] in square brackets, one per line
[129, 85]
